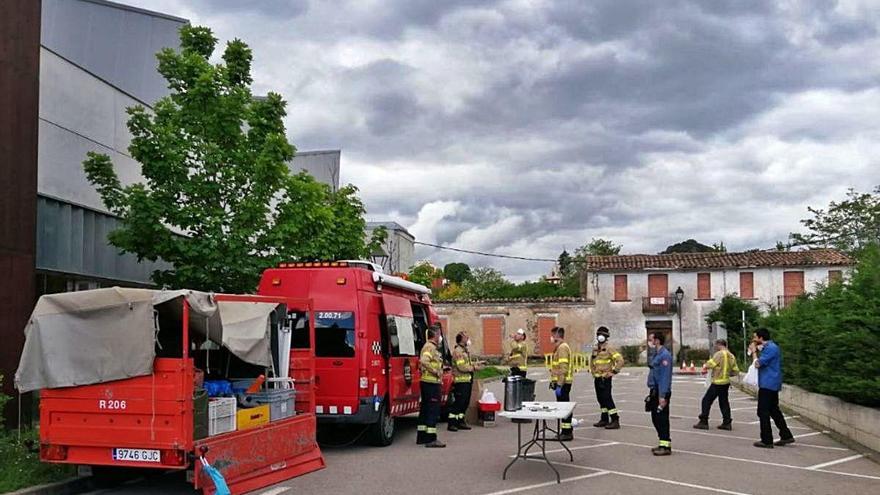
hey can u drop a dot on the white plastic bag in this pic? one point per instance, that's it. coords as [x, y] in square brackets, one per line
[488, 397]
[751, 377]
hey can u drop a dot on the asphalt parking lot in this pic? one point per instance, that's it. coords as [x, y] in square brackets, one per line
[605, 461]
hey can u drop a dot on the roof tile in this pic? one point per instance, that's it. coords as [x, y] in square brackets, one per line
[692, 261]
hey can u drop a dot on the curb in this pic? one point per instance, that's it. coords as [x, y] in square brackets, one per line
[66, 487]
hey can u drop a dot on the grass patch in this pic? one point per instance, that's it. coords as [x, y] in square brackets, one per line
[489, 372]
[20, 465]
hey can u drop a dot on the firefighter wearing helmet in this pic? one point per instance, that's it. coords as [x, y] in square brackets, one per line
[605, 362]
[517, 358]
[562, 377]
[431, 366]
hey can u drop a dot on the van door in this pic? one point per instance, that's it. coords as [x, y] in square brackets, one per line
[403, 354]
[335, 363]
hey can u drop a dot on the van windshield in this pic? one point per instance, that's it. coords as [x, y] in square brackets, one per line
[334, 334]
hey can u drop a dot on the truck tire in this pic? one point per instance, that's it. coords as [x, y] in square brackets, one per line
[382, 431]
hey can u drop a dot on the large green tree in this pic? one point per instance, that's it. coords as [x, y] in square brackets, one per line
[457, 273]
[848, 225]
[730, 313]
[598, 247]
[485, 283]
[693, 246]
[218, 201]
[424, 273]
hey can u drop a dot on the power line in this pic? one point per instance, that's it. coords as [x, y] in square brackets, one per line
[492, 255]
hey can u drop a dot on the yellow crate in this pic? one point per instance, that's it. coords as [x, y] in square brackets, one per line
[252, 417]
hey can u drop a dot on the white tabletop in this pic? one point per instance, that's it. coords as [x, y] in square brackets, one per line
[541, 410]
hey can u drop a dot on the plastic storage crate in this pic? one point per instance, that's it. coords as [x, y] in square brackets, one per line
[253, 417]
[280, 402]
[221, 415]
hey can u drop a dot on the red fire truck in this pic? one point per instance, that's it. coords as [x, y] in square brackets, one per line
[369, 330]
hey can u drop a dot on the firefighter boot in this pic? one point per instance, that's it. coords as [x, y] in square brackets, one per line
[603, 421]
[661, 451]
[435, 444]
[727, 425]
[452, 424]
[703, 424]
[614, 424]
[565, 435]
[420, 437]
[462, 424]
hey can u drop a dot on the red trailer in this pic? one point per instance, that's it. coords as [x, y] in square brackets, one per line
[152, 421]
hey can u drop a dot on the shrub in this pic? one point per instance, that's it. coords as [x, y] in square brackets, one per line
[630, 354]
[829, 338]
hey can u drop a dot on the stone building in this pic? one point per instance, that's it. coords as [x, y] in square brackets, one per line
[491, 323]
[636, 294]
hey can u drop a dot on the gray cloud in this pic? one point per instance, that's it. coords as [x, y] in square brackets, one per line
[521, 128]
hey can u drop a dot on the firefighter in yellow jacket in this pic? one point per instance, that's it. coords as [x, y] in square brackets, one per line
[431, 367]
[722, 364]
[463, 380]
[605, 362]
[561, 376]
[517, 358]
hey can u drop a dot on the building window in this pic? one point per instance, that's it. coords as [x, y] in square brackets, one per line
[835, 276]
[620, 288]
[747, 285]
[704, 286]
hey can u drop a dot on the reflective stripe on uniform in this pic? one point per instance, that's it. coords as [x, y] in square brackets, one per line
[665, 443]
[566, 426]
[612, 411]
[431, 430]
[460, 361]
[430, 379]
[562, 360]
[421, 428]
[604, 409]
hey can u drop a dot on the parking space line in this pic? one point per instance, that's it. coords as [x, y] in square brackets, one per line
[548, 483]
[759, 421]
[276, 491]
[810, 434]
[838, 461]
[722, 435]
[753, 461]
[582, 447]
[652, 478]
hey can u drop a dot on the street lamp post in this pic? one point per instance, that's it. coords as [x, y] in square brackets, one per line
[679, 296]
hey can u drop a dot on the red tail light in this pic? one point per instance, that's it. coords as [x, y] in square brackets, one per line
[364, 382]
[172, 457]
[53, 452]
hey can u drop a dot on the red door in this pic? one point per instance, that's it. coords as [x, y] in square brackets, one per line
[792, 284]
[403, 365]
[545, 324]
[493, 330]
[658, 285]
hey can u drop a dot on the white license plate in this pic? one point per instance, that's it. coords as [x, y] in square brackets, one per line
[136, 455]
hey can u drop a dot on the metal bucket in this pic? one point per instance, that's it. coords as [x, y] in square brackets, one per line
[513, 393]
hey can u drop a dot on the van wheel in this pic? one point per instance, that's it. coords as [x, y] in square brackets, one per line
[382, 431]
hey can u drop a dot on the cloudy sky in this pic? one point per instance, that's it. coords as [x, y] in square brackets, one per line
[525, 127]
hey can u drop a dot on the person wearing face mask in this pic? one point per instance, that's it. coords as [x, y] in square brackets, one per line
[722, 364]
[660, 386]
[463, 379]
[561, 377]
[605, 362]
[431, 367]
[517, 358]
[769, 364]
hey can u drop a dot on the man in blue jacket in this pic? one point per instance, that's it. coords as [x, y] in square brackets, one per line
[660, 385]
[769, 364]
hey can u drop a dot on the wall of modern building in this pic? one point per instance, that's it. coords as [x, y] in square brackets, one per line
[97, 58]
[322, 165]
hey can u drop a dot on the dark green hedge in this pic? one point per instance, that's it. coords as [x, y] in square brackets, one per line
[831, 339]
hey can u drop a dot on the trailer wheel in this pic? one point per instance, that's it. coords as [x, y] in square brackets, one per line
[382, 431]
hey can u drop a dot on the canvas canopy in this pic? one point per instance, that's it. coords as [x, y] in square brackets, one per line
[96, 336]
